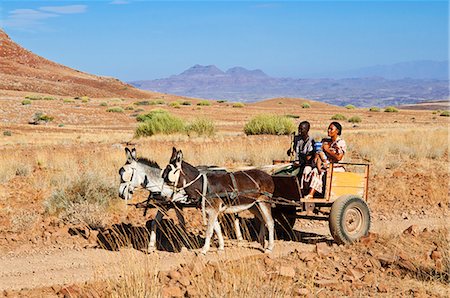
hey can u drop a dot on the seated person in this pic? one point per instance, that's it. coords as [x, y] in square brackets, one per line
[303, 146]
[334, 149]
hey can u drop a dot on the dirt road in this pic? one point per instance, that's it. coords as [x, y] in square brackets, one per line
[60, 267]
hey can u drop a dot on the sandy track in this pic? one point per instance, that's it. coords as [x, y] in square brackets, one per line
[72, 266]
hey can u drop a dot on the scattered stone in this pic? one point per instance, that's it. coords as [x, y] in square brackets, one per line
[175, 275]
[357, 274]
[192, 291]
[185, 281]
[171, 291]
[70, 291]
[326, 282]
[287, 271]
[301, 291]
[307, 256]
[407, 265]
[436, 255]
[412, 230]
[322, 249]
[386, 260]
[382, 288]
[369, 239]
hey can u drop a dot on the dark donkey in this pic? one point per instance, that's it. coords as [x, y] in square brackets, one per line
[224, 193]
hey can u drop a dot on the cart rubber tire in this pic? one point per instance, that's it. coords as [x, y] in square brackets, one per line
[284, 217]
[349, 219]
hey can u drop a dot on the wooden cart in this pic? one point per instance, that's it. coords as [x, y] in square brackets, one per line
[343, 202]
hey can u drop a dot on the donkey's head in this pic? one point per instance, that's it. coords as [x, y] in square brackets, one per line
[129, 175]
[172, 172]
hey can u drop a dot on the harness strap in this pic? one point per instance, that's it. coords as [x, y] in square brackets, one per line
[204, 191]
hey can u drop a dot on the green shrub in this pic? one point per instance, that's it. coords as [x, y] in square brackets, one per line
[143, 103]
[33, 97]
[202, 127]
[115, 110]
[160, 102]
[306, 105]
[41, 117]
[186, 103]
[68, 100]
[238, 105]
[391, 110]
[103, 104]
[204, 103]
[292, 116]
[61, 125]
[374, 109]
[350, 107]
[26, 102]
[221, 101]
[269, 124]
[175, 104]
[85, 98]
[158, 122]
[355, 119]
[445, 114]
[129, 108]
[7, 133]
[338, 117]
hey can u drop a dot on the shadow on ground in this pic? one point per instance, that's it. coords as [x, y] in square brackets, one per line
[171, 237]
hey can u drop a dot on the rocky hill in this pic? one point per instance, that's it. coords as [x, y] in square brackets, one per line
[240, 84]
[22, 70]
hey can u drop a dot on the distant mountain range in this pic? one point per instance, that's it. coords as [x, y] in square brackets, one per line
[397, 84]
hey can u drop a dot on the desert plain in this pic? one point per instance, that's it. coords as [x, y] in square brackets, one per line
[97, 248]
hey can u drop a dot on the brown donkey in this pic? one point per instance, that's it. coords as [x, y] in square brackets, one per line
[224, 193]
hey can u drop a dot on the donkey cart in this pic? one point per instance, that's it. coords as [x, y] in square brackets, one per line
[343, 203]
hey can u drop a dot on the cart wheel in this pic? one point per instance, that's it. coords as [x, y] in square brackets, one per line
[284, 217]
[349, 219]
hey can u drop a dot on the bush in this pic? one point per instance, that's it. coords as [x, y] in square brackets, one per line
[445, 114]
[338, 117]
[7, 133]
[350, 107]
[68, 100]
[202, 127]
[221, 101]
[374, 109]
[186, 103]
[26, 102]
[391, 110]
[144, 103]
[160, 102]
[115, 110]
[40, 117]
[158, 122]
[306, 105]
[83, 201]
[238, 105]
[129, 108]
[103, 104]
[175, 104]
[39, 97]
[269, 124]
[355, 119]
[292, 116]
[204, 103]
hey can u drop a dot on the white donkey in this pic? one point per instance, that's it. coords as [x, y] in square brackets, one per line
[141, 172]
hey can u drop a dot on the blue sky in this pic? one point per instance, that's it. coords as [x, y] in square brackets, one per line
[134, 40]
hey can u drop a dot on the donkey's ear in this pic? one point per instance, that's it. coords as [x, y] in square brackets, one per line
[179, 156]
[128, 154]
[174, 153]
[133, 153]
